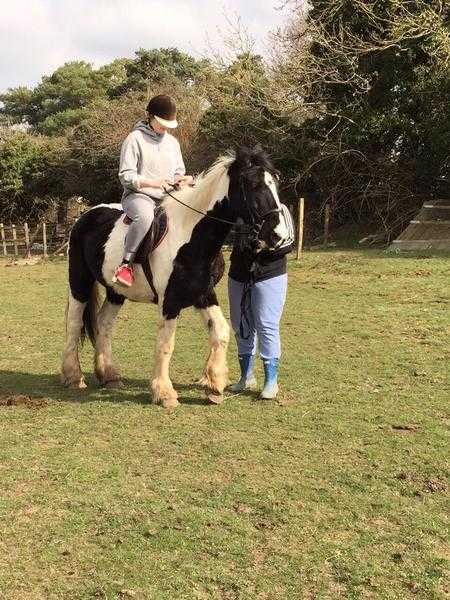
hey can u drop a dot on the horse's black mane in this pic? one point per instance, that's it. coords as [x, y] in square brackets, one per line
[248, 160]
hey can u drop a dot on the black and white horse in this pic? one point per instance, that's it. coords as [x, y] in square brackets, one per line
[185, 266]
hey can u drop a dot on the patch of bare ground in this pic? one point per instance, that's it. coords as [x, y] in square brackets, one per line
[406, 428]
[23, 400]
[23, 262]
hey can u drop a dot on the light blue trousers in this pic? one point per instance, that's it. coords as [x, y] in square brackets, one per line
[264, 315]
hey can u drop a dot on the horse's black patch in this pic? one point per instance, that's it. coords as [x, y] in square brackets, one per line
[87, 252]
[199, 265]
[113, 296]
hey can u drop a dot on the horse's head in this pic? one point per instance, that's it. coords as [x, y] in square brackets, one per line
[253, 197]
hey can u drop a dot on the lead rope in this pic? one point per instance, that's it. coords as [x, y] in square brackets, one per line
[246, 304]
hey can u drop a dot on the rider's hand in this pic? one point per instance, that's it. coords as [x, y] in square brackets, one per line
[164, 184]
[183, 180]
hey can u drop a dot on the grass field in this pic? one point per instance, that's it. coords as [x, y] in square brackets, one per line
[339, 490]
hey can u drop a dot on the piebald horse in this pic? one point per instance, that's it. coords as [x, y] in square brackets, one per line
[185, 266]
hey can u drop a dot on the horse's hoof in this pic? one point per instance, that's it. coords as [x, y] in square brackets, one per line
[214, 397]
[163, 393]
[76, 385]
[169, 402]
[114, 385]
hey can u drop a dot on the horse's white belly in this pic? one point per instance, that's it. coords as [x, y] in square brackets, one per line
[140, 291]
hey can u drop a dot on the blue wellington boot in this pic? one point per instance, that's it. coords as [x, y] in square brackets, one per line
[270, 389]
[247, 380]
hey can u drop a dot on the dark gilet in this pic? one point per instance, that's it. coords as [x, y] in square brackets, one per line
[266, 264]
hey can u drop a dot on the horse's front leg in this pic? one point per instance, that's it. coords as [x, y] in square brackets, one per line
[162, 388]
[215, 374]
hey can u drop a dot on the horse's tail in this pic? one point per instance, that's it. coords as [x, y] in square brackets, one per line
[83, 286]
[90, 315]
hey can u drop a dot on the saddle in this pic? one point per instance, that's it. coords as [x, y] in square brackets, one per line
[152, 239]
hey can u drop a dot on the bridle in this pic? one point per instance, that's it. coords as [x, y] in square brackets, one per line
[257, 220]
[253, 229]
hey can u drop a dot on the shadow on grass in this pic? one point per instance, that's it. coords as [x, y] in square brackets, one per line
[47, 385]
[375, 252]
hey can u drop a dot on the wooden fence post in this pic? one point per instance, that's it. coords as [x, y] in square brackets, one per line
[326, 227]
[301, 214]
[14, 234]
[27, 240]
[2, 230]
[44, 238]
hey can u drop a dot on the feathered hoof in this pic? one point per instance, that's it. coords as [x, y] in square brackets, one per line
[79, 384]
[214, 396]
[164, 394]
[169, 402]
[203, 381]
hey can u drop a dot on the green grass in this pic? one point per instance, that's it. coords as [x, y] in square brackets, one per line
[337, 491]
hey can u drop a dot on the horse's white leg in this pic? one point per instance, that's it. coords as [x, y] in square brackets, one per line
[71, 374]
[215, 374]
[162, 388]
[106, 372]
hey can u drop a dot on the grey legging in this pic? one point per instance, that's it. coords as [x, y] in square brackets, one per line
[141, 210]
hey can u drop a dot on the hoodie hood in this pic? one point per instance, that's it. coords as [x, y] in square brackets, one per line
[145, 128]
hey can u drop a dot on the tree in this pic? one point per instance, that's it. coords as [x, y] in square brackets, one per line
[59, 100]
[235, 95]
[16, 102]
[363, 83]
[31, 174]
[153, 67]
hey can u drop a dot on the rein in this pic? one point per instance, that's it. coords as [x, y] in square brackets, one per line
[256, 226]
[200, 212]
[246, 304]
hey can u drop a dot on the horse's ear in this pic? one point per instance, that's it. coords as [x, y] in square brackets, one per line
[243, 157]
[258, 149]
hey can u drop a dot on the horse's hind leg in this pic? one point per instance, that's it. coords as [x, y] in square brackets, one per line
[215, 374]
[71, 374]
[106, 372]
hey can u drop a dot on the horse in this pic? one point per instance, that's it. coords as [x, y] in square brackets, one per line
[185, 267]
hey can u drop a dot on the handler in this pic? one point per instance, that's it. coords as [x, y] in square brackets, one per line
[257, 285]
[150, 162]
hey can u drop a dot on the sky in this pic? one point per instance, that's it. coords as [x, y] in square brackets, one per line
[37, 36]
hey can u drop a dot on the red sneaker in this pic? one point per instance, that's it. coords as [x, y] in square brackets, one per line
[124, 275]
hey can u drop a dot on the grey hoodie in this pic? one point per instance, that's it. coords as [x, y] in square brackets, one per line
[146, 154]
